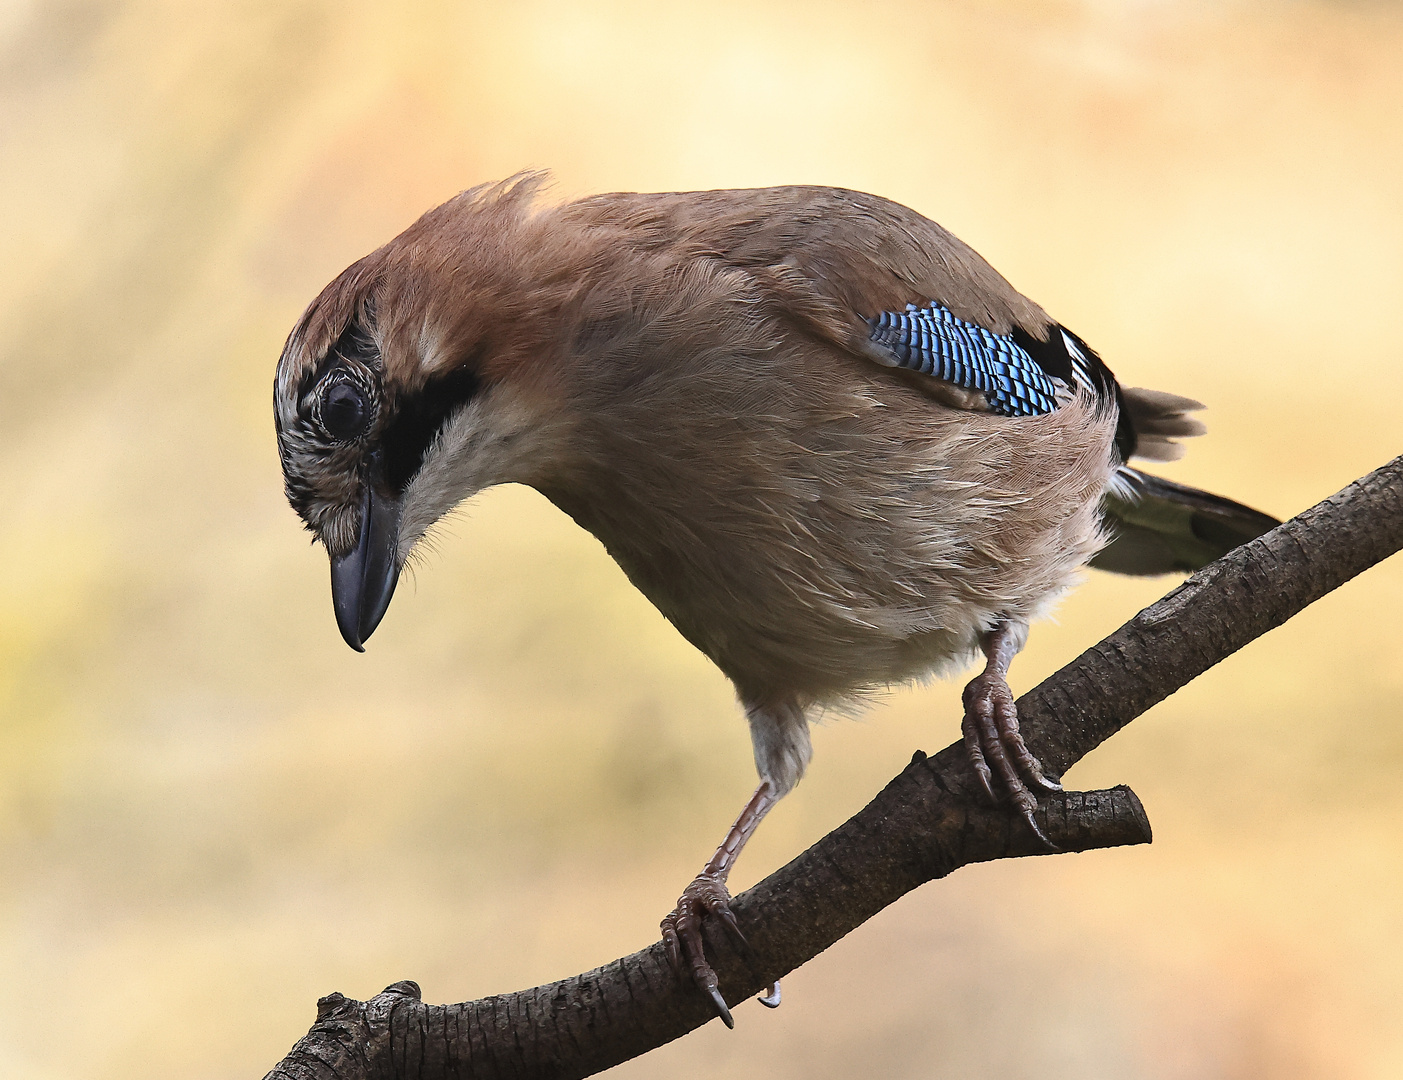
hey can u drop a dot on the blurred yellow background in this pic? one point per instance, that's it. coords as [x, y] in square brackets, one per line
[212, 811]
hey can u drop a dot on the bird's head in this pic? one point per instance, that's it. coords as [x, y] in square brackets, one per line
[409, 385]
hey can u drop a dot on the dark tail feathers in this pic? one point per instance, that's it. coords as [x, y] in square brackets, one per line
[1159, 527]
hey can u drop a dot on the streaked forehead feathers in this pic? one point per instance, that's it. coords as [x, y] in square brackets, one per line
[346, 306]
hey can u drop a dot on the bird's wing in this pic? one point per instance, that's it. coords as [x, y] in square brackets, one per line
[882, 282]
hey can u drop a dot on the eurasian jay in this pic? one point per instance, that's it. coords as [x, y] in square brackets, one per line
[832, 445]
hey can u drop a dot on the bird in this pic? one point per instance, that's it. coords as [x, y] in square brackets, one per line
[832, 445]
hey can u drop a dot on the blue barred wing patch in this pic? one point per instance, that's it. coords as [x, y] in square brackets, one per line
[936, 342]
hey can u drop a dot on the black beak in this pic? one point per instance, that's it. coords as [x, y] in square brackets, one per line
[363, 579]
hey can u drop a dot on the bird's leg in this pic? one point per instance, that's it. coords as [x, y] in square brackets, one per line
[707, 895]
[991, 729]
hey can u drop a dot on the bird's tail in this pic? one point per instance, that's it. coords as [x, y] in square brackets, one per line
[1158, 526]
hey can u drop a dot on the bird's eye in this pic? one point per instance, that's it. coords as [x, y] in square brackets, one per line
[345, 413]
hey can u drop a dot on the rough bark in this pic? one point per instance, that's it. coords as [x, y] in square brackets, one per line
[924, 824]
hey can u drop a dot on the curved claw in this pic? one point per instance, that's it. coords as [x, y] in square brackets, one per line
[976, 759]
[771, 999]
[1042, 836]
[721, 1009]
[722, 911]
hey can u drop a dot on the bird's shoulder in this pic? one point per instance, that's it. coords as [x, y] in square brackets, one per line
[862, 251]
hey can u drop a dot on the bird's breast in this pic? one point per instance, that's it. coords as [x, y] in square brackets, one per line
[822, 533]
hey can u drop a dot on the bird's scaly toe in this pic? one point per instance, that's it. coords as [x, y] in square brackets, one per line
[995, 747]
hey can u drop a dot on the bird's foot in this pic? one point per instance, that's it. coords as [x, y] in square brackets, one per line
[992, 739]
[706, 895]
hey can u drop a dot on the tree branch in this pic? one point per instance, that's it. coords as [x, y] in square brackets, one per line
[926, 823]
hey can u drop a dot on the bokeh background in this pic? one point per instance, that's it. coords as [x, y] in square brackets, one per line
[211, 811]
